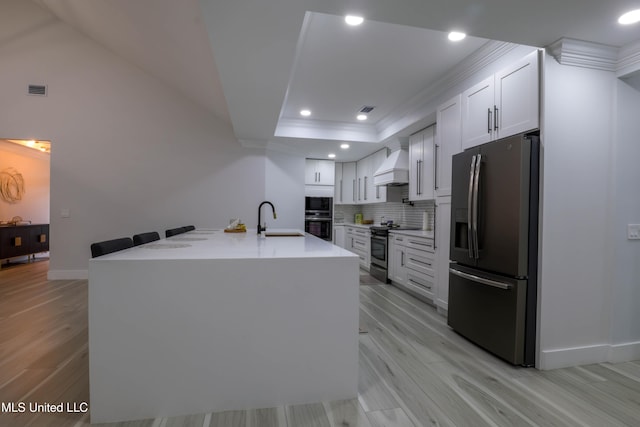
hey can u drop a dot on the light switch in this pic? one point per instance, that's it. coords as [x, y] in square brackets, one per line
[633, 231]
[64, 213]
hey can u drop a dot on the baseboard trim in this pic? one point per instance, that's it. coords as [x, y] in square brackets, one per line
[567, 357]
[68, 275]
[624, 352]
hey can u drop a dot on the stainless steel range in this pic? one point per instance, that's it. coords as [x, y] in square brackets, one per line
[380, 249]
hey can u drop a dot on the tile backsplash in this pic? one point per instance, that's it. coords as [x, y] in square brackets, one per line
[400, 213]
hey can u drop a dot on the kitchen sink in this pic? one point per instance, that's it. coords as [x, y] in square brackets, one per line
[283, 234]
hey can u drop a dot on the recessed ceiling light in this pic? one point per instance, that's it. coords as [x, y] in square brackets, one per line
[344, 146]
[361, 117]
[305, 113]
[353, 20]
[630, 17]
[331, 155]
[456, 36]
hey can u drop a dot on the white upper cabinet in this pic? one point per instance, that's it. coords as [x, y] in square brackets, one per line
[345, 184]
[477, 113]
[319, 172]
[448, 142]
[354, 182]
[338, 189]
[422, 164]
[349, 189]
[362, 176]
[517, 95]
[506, 103]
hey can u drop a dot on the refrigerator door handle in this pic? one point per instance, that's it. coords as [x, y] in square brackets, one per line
[476, 181]
[469, 206]
[474, 278]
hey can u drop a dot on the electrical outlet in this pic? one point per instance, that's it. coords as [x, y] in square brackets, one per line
[633, 231]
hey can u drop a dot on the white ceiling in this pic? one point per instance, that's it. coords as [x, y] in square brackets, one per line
[255, 62]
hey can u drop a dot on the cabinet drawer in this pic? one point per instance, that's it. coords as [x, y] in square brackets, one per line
[359, 243]
[363, 232]
[423, 285]
[397, 238]
[420, 261]
[419, 243]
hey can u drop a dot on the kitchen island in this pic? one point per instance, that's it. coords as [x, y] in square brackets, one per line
[209, 321]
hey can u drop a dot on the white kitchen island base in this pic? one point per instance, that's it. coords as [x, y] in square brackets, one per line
[195, 331]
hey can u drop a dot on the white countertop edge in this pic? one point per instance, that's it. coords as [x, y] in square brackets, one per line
[415, 233]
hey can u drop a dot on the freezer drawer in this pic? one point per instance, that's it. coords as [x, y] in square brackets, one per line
[490, 311]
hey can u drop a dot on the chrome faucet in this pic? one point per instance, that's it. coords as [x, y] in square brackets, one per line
[260, 227]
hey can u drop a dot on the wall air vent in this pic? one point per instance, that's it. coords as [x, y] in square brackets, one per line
[366, 109]
[38, 90]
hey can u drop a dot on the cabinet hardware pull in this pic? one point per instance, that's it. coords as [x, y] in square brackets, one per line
[365, 188]
[354, 189]
[435, 168]
[488, 120]
[469, 205]
[340, 190]
[476, 184]
[495, 118]
[474, 278]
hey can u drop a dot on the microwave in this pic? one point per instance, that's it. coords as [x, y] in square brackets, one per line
[318, 204]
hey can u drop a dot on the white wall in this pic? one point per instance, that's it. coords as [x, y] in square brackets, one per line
[625, 308]
[575, 281]
[284, 187]
[34, 168]
[129, 154]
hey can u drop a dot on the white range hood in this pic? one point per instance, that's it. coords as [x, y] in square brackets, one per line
[394, 170]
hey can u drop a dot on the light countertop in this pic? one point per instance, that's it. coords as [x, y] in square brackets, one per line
[416, 233]
[216, 244]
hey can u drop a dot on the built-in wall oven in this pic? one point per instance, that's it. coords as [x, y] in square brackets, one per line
[318, 218]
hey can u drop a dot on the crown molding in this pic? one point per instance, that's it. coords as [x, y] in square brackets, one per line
[629, 60]
[579, 53]
[321, 129]
[623, 61]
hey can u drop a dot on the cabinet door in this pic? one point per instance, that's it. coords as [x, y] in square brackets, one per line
[378, 192]
[415, 160]
[517, 97]
[448, 142]
[422, 164]
[362, 171]
[349, 188]
[442, 233]
[325, 170]
[397, 260]
[427, 175]
[477, 114]
[339, 236]
[338, 189]
[310, 172]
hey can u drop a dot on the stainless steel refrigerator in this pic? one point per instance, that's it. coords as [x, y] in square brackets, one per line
[494, 247]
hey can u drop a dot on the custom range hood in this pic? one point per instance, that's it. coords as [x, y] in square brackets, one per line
[394, 170]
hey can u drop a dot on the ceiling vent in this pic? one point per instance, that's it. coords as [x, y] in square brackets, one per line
[38, 90]
[367, 109]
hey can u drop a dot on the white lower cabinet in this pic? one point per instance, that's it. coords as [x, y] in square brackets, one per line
[397, 270]
[358, 241]
[339, 236]
[412, 264]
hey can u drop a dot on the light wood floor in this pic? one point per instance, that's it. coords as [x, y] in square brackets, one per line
[414, 371]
